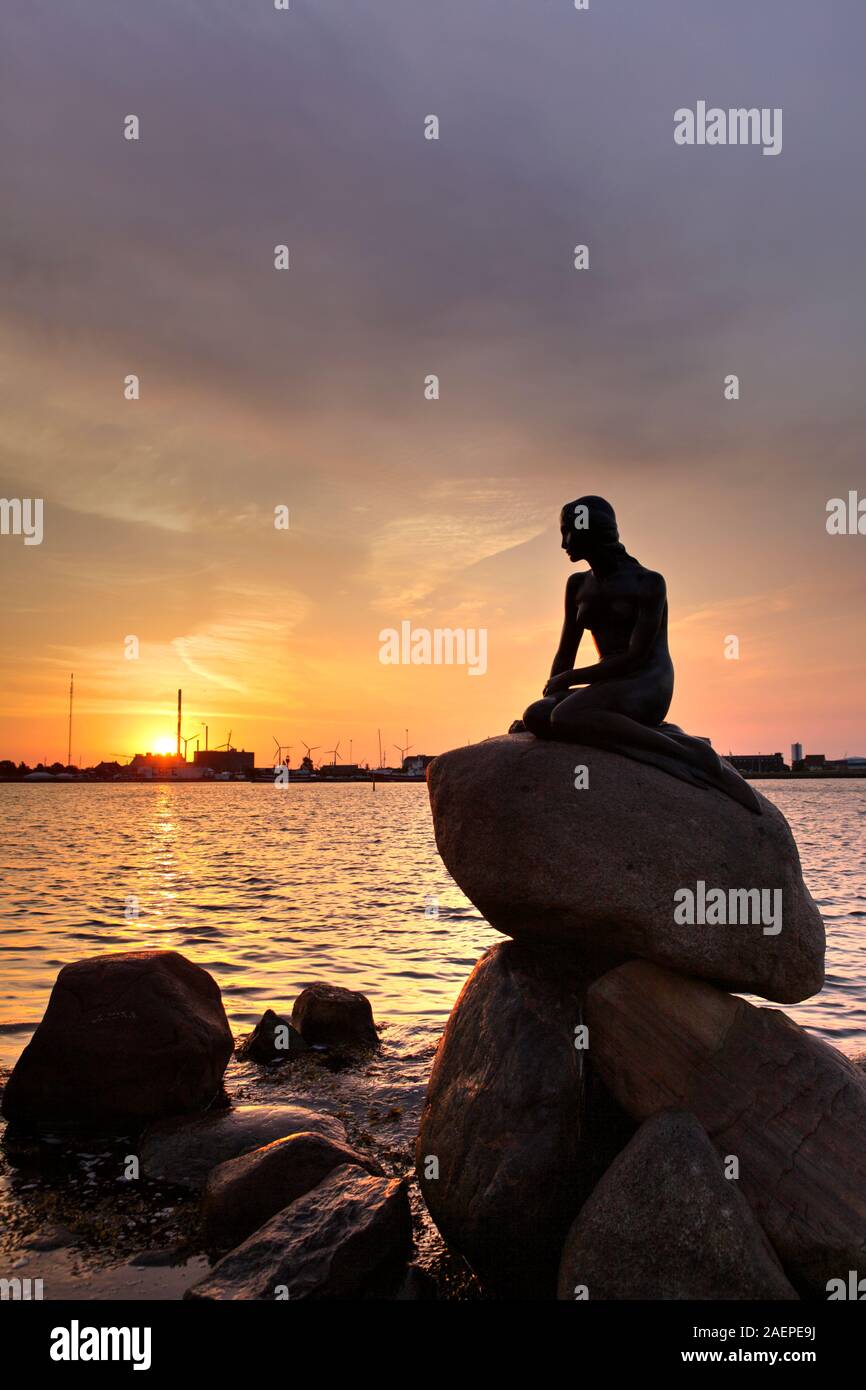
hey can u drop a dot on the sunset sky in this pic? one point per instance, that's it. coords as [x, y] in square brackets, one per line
[305, 388]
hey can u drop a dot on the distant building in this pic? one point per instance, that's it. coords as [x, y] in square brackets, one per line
[796, 753]
[758, 762]
[340, 770]
[417, 762]
[225, 760]
[841, 767]
[146, 764]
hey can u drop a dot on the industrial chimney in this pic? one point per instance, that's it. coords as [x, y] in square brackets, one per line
[179, 702]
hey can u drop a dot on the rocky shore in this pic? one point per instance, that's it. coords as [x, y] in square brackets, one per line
[117, 1181]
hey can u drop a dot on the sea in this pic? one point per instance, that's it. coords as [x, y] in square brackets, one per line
[270, 888]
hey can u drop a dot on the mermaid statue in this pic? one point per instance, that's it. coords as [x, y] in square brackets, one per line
[620, 702]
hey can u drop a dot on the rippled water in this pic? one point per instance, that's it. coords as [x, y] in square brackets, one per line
[828, 820]
[267, 887]
[270, 888]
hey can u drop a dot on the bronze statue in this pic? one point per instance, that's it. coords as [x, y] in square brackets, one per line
[620, 702]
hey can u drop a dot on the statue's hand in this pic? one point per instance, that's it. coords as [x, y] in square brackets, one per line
[557, 684]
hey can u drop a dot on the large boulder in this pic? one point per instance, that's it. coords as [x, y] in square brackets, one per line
[245, 1192]
[665, 1223]
[595, 868]
[186, 1151]
[788, 1107]
[510, 1139]
[332, 1016]
[125, 1039]
[348, 1238]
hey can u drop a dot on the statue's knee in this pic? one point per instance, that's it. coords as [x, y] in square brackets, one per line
[552, 716]
[562, 717]
[537, 717]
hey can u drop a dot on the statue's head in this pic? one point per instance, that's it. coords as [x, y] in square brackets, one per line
[587, 526]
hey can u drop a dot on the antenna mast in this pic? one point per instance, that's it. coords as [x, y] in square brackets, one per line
[69, 740]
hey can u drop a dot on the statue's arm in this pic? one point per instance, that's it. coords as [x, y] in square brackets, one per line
[650, 613]
[572, 632]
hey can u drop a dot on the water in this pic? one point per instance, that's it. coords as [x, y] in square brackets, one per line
[270, 888]
[828, 820]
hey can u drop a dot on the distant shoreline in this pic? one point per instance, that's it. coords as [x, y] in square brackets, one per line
[397, 780]
[804, 776]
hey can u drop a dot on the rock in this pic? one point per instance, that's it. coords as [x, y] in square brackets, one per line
[265, 1045]
[51, 1237]
[595, 869]
[334, 1016]
[125, 1039]
[346, 1239]
[506, 1118]
[245, 1192]
[791, 1109]
[185, 1151]
[157, 1259]
[665, 1223]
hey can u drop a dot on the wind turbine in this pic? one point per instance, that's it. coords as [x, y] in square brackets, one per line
[281, 748]
[335, 751]
[227, 745]
[310, 750]
[403, 751]
[187, 740]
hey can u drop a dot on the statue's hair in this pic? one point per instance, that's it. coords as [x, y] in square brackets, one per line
[600, 515]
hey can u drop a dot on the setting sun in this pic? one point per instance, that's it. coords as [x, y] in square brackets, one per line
[164, 744]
